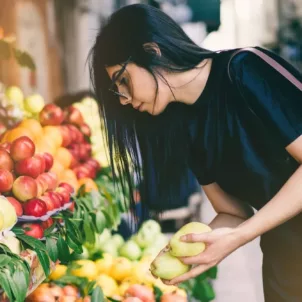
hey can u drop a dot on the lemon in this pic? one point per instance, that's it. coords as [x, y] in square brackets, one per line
[121, 268]
[123, 287]
[9, 216]
[15, 95]
[87, 270]
[34, 103]
[59, 272]
[141, 272]
[108, 285]
[104, 265]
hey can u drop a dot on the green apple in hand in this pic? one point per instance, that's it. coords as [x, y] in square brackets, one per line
[130, 250]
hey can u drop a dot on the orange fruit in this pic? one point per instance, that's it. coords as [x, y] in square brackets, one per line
[18, 132]
[53, 133]
[89, 184]
[64, 156]
[33, 126]
[57, 168]
[43, 144]
[69, 176]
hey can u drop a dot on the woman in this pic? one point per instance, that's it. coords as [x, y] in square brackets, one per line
[237, 124]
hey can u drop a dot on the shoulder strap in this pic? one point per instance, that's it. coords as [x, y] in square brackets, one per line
[271, 62]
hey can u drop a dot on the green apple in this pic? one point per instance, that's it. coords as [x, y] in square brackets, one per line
[110, 248]
[8, 212]
[34, 103]
[184, 249]
[151, 226]
[167, 267]
[84, 255]
[118, 239]
[130, 250]
[152, 251]
[106, 235]
[15, 95]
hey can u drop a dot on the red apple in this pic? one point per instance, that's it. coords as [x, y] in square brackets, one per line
[34, 230]
[75, 151]
[172, 297]
[52, 115]
[73, 133]
[35, 207]
[51, 179]
[85, 129]
[22, 148]
[41, 158]
[64, 193]
[6, 162]
[73, 116]
[6, 146]
[66, 135]
[93, 162]
[42, 185]
[29, 166]
[25, 188]
[74, 161]
[81, 172]
[47, 223]
[48, 158]
[48, 202]
[132, 299]
[67, 186]
[6, 180]
[84, 152]
[16, 204]
[92, 171]
[60, 198]
[56, 200]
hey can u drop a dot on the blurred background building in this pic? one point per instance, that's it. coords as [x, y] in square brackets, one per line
[59, 34]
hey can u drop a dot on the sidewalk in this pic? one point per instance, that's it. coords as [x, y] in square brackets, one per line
[239, 275]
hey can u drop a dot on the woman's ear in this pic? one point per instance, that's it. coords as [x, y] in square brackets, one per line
[152, 47]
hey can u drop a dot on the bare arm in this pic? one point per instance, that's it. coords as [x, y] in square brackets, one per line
[231, 212]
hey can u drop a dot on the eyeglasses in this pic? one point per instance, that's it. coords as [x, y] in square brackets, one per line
[113, 85]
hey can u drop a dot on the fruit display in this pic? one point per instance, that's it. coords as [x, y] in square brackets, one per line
[90, 112]
[53, 194]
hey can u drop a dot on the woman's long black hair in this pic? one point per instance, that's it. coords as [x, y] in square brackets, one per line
[155, 147]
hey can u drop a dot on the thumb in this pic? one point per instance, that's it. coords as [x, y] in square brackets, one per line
[191, 238]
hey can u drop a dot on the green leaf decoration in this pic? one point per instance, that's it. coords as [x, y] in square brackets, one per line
[158, 293]
[100, 221]
[4, 260]
[49, 231]
[44, 260]
[6, 286]
[212, 272]
[97, 295]
[24, 59]
[51, 246]
[63, 250]
[89, 234]
[32, 242]
[20, 280]
[74, 246]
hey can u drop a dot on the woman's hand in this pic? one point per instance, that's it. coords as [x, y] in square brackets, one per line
[219, 244]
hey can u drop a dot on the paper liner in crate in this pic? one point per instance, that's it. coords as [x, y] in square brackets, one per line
[37, 275]
[25, 218]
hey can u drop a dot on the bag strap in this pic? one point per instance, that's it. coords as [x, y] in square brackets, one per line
[271, 62]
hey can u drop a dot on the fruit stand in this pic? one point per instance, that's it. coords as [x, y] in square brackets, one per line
[59, 207]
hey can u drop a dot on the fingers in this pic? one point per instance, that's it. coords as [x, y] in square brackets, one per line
[189, 275]
[204, 237]
[199, 259]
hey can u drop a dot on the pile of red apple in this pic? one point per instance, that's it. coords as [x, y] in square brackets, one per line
[75, 133]
[28, 184]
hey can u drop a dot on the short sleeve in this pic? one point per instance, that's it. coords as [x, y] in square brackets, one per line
[273, 98]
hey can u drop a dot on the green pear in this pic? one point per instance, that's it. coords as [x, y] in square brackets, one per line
[130, 250]
[161, 241]
[184, 249]
[167, 267]
[144, 238]
[152, 251]
[8, 212]
[118, 239]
